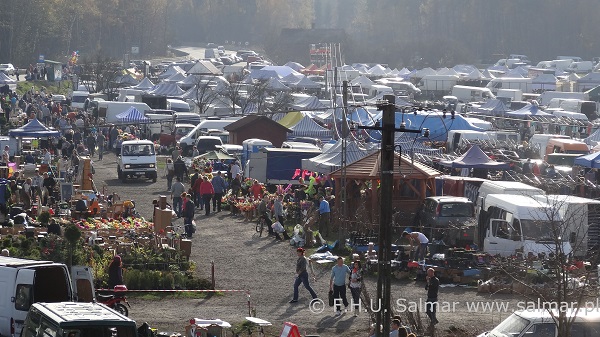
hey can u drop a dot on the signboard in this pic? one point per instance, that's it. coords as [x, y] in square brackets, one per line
[135, 50]
[41, 58]
[290, 330]
[66, 191]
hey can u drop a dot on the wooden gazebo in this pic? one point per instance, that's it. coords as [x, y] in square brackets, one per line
[413, 182]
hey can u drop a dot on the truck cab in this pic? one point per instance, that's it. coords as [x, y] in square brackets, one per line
[137, 159]
[519, 223]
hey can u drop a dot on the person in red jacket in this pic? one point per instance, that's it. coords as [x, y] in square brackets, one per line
[256, 190]
[198, 201]
[207, 191]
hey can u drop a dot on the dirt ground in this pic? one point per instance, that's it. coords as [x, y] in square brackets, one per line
[266, 269]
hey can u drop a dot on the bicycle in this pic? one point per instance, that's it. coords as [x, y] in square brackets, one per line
[261, 223]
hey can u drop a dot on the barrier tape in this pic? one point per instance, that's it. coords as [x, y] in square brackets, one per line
[176, 291]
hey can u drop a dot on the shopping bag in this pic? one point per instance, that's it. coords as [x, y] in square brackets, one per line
[331, 298]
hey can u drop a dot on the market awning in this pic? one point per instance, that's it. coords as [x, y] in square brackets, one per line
[215, 155]
[33, 129]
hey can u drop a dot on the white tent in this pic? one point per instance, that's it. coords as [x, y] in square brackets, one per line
[306, 83]
[204, 68]
[362, 81]
[424, 72]
[175, 78]
[331, 160]
[544, 82]
[476, 75]
[172, 70]
[145, 84]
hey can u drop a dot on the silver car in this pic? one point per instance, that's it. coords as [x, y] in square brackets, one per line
[447, 218]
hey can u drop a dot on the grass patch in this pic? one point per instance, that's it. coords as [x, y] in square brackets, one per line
[62, 87]
[157, 296]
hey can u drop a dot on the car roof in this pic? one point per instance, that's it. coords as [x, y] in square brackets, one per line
[450, 199]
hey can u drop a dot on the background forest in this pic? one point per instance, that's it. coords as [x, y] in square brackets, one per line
[397, 32]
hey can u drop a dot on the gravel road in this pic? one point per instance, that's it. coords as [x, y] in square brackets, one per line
[265, 268]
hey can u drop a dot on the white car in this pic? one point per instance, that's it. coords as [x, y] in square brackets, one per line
[7, 68]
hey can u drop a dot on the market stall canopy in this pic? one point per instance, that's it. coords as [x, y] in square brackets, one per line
[591, 160]
[166, 89]
[331, 160]
[33, 129]
[475, 158]
[215, 155]
[145, 84]
[132, 115]
[529, 110]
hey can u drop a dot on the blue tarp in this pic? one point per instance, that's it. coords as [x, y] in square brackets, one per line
[589, 160]
[438, 125]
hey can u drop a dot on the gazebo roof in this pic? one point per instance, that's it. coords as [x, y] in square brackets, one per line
[368, 168]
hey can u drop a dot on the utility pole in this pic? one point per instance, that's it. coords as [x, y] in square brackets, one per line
[345, 134]
[384, 253]
[385, 213]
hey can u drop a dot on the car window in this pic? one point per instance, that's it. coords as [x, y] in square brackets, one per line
[542, 330]
[456, 210]
[24, 297]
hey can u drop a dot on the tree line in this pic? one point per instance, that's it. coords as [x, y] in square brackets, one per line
[397, 32]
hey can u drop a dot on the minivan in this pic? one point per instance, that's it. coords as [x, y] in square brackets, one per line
[439, 214]
[208, 143]
[69, 319]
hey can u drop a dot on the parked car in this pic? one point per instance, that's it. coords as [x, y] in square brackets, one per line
[7, 68]
[442, 218]
[226, 60]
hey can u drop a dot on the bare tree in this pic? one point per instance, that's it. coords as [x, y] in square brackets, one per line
[98, 75]
[257, 94]
[548, 268]
[282, 103]
[205, 94]
[235, 94]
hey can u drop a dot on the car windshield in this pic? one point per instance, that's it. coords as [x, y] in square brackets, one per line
[512, 326]
[78, 99]
[538, 230]
[455, 209]
[138, 150]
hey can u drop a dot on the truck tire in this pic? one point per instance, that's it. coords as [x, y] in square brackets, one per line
[154, 179]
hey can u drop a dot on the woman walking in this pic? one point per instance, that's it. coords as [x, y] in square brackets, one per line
[356, 286]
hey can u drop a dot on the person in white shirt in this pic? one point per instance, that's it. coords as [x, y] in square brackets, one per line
[47, 157]
[63, 166]
[6, 155]
[418, 238]
[235, 169]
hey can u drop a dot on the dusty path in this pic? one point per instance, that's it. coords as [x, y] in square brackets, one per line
[265, 268]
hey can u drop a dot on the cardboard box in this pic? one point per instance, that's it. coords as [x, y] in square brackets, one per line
[162, 219]
[186, 247]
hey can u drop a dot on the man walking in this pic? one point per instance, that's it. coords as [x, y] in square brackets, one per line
[100, 139]
[219, 186]
[176, 190]
[180, 168]
[432, 286]
[278, 208]
[207, 191]
[324, 211]
[302, 275]
[337, 284]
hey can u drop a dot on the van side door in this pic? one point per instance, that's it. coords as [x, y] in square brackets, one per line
[82, 280]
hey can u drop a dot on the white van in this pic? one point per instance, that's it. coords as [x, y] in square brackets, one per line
[523, 84]
[178, 105]
[580, 67]
[78, 99]
[540, 140]
[580, 216]
[503, 187]
[513, 94]
[510, 223]
[24, 282]
[378, 89]
[137, 159]
[76, 319]
[539, 322]
[471, 94]
[186, 142]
